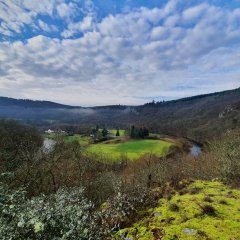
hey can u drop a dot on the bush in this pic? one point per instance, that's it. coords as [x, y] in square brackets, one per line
[18, 144]
[64, 215]
[227, 152]
[120, 210]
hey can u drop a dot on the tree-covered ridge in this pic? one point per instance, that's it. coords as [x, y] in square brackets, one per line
[199, 117]
[27, 103]
[192, 98]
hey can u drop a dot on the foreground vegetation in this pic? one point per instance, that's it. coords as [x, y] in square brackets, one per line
[199, 210]
[66, 194]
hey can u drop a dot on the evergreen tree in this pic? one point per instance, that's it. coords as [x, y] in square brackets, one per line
[104, 132]
[117, 133]
[132, 132]
[145, 132]
[140, 133]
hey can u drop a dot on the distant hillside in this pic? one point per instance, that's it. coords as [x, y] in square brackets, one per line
[199, 117]
[9, 102]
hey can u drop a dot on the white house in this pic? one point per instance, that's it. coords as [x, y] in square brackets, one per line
[49, 131]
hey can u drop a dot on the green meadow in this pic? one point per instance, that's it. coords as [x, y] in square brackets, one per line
[133, 149]
[114, 150]
[114, 132]
[83, 140]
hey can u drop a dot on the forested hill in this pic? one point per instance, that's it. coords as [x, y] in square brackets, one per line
[26, 103]
[225, 94]
[198, 117]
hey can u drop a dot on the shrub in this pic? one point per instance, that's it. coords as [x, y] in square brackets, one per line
[18, 144]
[64, 215]
[227, 151]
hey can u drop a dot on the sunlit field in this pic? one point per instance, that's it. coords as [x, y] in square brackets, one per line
[132, 149]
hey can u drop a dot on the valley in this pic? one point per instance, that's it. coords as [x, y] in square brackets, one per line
[118, 148]
[119, 120]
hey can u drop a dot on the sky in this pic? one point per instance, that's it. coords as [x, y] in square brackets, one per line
[96, 52]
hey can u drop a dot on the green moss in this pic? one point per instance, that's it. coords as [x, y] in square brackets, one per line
[190, 221]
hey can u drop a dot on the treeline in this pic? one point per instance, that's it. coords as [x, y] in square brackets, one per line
[134, 132]
[5, 101]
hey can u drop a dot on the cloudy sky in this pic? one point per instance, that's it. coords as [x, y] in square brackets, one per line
[97, 52]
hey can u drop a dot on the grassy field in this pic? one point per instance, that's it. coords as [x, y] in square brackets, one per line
[132, 149]
[114, 131]
[206, 210]
[83, 140]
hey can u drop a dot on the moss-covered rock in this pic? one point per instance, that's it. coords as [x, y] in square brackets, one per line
[194, 218]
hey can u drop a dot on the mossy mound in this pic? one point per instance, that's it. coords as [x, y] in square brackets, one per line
[207, 210]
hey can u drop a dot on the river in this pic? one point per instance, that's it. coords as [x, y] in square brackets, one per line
[48, 144]
[195, 150]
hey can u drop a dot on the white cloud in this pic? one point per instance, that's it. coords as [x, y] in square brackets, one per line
[66, 10]
[193, 13]
[146, 52]
[78, 27]
[46, 27]
[14, 15]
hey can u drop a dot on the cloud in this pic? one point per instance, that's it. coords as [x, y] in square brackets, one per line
[195, 12]
[127, 57]
[66, 10]
[78, 27]
[14, 15]
[47, 27]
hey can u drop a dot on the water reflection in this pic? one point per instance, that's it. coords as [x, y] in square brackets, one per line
[195, 150]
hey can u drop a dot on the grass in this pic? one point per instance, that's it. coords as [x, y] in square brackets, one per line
[132, 149]
[193, 218]
[83, 140]
[114, 131]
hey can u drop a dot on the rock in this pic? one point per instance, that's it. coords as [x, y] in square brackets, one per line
[157, 214]
[189, 231]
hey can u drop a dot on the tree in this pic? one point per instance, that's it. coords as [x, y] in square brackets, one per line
[18, 144]
[104, 132]
[138, 132]
[117, 133]
[145, 132]
[132, 132]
